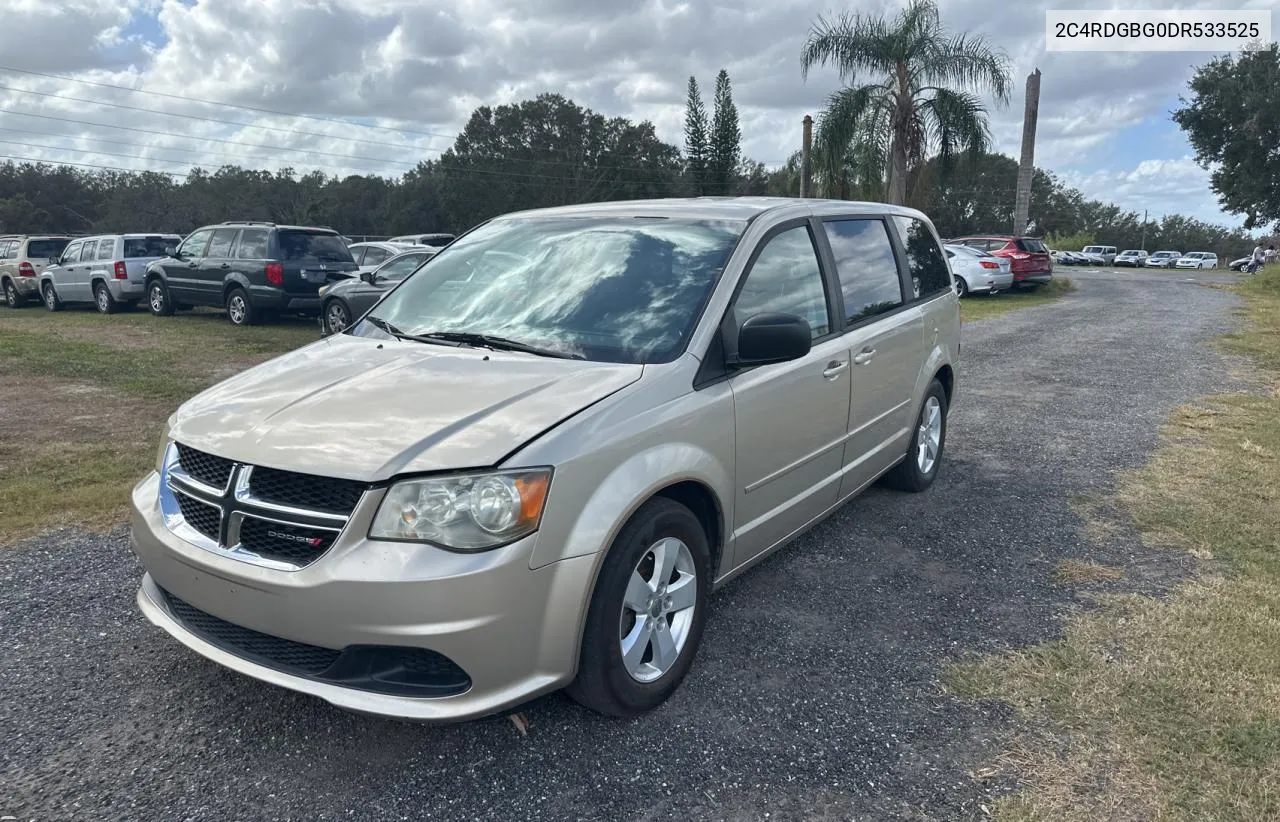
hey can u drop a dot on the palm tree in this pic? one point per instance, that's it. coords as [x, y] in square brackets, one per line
[924, 92]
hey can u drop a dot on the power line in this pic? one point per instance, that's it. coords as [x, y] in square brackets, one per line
[240, 106]
[321, 135]
[538, 179]
[211, 119]
[86, 165]
[209, 139]
[144, 146]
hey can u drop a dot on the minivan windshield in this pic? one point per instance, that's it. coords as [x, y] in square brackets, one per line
[611, 289]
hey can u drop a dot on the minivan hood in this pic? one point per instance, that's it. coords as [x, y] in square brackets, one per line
[367, 409]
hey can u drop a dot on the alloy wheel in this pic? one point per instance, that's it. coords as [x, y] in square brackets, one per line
[155, 297]
[336, 318]
[658, 609]
[104, 300]
[929, 435]
[236, 309]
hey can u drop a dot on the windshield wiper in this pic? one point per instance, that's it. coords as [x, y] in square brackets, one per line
[494, 342]
[378, 322]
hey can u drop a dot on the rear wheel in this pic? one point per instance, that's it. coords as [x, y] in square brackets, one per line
[50, 296]
[239, 309]
[962, 287]
[11, 296]
[924, 454]
[103, 300]
[647, 612]
[158, 299]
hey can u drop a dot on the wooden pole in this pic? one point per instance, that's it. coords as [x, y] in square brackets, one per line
[1026, 167]
[806, 159]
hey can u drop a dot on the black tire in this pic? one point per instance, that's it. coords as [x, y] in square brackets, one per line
[102, 299]
[240, 308]
[962, 287]
[335, 312]
[158, 300]
[50, 297]
[11, 296]
[908, 475]
[603, 683]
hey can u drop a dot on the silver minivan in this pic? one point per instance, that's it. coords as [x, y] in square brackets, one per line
[530, 463]
[108, 271]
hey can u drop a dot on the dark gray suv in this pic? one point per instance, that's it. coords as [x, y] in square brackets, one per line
[253, 269]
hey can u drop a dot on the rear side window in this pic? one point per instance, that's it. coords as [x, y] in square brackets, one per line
[375, 256]
[1032, 246]
[47, 249]
[402, 267]
[135, 247]
[786, 278]
[311, 246]
[253, 244]
[929, 272]
[220, 245]
[867, 268]
[106, 248]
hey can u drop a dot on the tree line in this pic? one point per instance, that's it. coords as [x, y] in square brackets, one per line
[550, 151]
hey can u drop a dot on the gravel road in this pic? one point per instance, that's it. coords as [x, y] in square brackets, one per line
[815, 695]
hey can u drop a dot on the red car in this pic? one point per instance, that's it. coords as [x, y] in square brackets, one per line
[1028, 256]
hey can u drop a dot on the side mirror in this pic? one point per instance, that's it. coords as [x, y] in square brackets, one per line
[172, 251]
[368, 276]
[772, 338]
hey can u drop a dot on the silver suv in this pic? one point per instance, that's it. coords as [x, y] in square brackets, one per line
[527, 467]
[22, 259]
[109, 271]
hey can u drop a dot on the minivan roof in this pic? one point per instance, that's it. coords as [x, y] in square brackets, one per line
[714, 208]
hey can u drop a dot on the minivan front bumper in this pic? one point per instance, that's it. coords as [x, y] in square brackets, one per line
[513, 631]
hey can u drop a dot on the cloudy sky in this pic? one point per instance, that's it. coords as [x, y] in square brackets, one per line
[418, 67]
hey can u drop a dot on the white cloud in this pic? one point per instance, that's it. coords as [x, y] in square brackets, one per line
[423, 65]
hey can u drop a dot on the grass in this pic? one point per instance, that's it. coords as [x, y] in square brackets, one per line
[83, 398]
[1169, 708]
[980, 307]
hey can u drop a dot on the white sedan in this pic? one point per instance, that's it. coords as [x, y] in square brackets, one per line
[976, 271]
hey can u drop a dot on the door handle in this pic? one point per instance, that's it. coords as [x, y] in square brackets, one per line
[864, 356]
[225, 265]
[834, 369]
[193, 265]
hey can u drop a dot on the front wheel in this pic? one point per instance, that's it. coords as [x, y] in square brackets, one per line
[158, 299]
[50, 296]
[924, 454]
[647, 612]
[336, 317]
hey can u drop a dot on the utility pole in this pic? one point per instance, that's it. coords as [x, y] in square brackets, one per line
[1143, 246]
[1026, 167]
[806, 159]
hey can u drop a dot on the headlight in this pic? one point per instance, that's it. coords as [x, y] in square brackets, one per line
[324, 289]
[464, 512]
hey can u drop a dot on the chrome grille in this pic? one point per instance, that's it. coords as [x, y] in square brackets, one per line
[205, 518]
[212, 471]
[265, 516]
[326, 494]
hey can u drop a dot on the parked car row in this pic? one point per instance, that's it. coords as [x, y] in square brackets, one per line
[1100, 255]
[1029, 263]
[254, 270]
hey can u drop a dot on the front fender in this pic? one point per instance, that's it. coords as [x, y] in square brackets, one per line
[611, 500]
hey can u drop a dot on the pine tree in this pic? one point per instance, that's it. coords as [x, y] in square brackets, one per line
[695, 138]
[726, 138]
